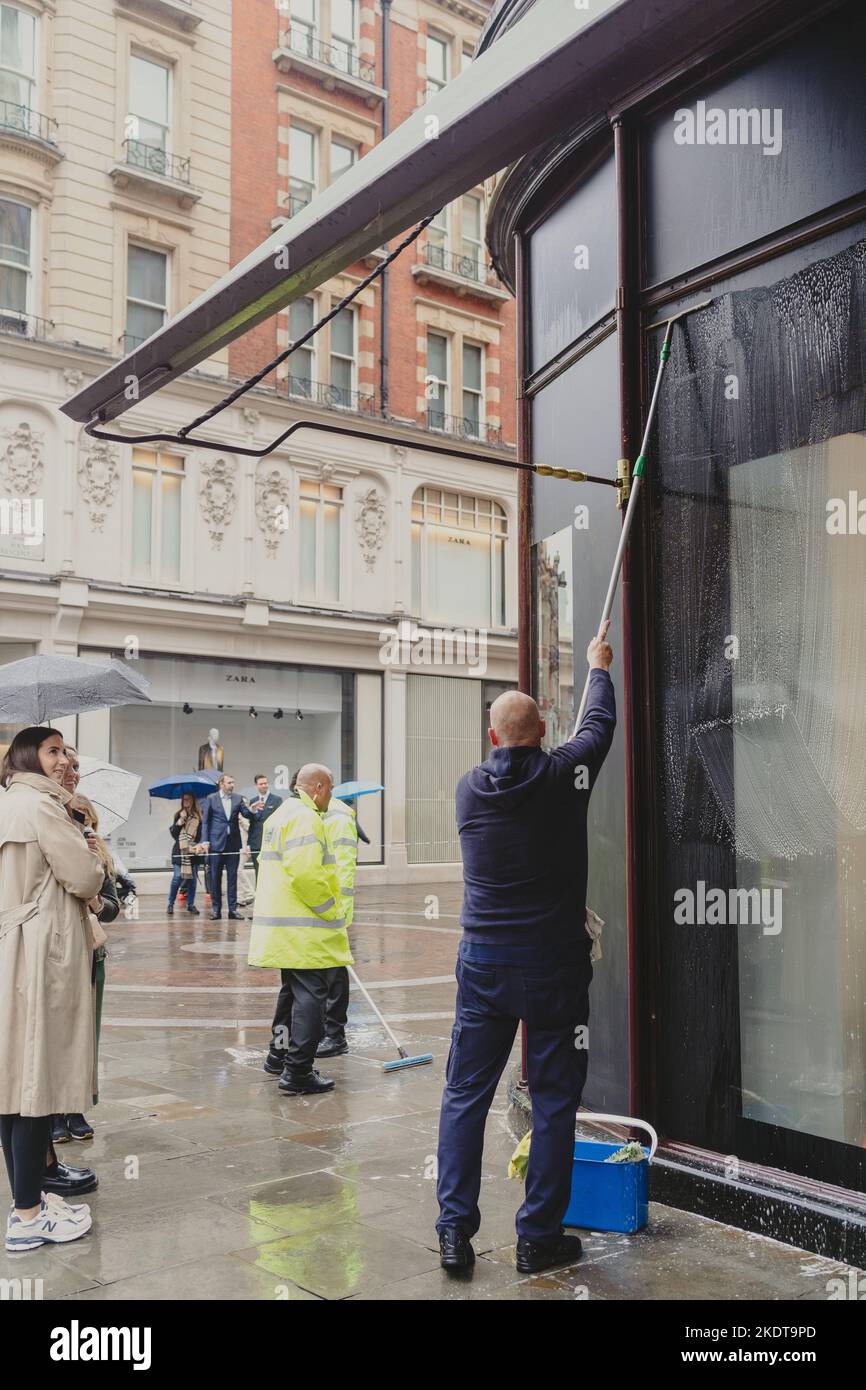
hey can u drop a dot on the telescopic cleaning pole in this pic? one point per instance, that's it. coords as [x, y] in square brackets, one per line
[636, 477]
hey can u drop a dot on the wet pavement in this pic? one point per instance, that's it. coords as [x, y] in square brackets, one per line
[213, 1185]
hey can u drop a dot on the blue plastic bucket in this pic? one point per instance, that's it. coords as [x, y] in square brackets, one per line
[609, 1196]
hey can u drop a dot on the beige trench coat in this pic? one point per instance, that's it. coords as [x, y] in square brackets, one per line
[47, 1023]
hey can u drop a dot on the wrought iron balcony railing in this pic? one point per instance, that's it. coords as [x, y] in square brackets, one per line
[336, 397]
[303, 43]
[468, 267]
[153, 160]
[464, 426]
[25, 121]
[296, 203]
[24, 325]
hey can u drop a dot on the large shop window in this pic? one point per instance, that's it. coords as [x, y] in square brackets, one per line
[759, 533]
[191, 697]
[458, 558]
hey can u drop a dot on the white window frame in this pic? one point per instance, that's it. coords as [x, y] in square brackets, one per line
[433, 83]
[132, 116]
[347, 43]
[476, 254]
[317, 600]
[480, 393]
[353, 360]
[155, 575]
[133, 244]
[30, 284]
[445, 399]
[33, 78]
[498, 577]
[311, 187]
[344, 144]
[312, 348]
[305, 31]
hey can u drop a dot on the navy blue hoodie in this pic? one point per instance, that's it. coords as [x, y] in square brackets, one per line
[521, 817]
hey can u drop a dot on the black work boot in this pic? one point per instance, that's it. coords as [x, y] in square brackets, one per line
[332, 1047]
[536, 1255]
[455, 1249]
[274, 1062]
[308, 1083]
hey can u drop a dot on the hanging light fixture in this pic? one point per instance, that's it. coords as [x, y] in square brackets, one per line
[254, 714]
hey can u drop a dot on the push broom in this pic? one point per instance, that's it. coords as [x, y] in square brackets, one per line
[403, 1060]
[637, 476]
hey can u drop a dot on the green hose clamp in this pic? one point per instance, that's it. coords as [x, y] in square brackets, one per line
[640, 462]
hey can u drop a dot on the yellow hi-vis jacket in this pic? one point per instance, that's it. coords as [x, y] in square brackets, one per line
[342, 831]
[298, 916]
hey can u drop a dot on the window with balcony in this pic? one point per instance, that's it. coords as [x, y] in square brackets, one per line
[17, 68]
[146, 294]
[303, 164]
[302, 363]
[320, 521]
[157, 494]
[15, 266]
[343, 156]
[343, 358]
[437, 380]
[458, 558]
[302, 34]
[344, 41]
[473, 390]
[148, 123]
[472, 242]
[438, 72]
[437, 238]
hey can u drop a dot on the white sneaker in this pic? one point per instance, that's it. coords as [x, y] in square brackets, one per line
[54, 1224]
[55, 1200]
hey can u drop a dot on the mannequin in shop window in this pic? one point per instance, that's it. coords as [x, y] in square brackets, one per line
[210, 754]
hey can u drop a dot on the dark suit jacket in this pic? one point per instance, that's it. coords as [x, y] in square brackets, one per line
[257, 820]
[222, 835]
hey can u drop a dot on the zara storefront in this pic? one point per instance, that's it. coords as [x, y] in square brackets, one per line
[728, 831]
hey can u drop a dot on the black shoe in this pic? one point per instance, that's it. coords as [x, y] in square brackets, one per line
[455, 1249]
[535, 1255]
[237, 917]
[59, 1130]
[274, 1063]
[78, 1127]
[193, 912]
[169, 912]
[332, 1047]
[306, 1084]
[67, 1181]
[215, 916]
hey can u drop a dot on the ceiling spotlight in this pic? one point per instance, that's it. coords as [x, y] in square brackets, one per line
[298, 714]
[278, 714]
[254, 714]
[187, 708]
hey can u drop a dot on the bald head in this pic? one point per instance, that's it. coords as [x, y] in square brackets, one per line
[515, 721]
[318, 782]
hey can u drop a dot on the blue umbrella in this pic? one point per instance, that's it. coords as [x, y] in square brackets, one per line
[173, 788]
[357, 789]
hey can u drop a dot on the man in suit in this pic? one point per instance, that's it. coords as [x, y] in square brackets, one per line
[221, 840]
[259, 810]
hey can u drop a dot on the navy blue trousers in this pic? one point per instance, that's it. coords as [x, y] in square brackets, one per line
[229, 862]
[491, 1001]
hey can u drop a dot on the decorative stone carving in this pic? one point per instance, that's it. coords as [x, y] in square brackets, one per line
[370, 524]
[218, 497]
[22, 462]
[73, 378]
[272, 507]
[251, 418]
[98, 478]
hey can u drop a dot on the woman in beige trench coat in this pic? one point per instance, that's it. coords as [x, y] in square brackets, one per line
[48, 878]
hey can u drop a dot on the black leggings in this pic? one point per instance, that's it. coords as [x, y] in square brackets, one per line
[25, 1143]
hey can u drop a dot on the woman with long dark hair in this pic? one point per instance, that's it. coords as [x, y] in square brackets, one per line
[49, 881]
[185, 830]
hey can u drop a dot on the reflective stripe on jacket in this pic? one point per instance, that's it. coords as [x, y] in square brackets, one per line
[298, 921]
[341, 829]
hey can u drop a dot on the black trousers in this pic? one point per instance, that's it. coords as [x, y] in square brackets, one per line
[229, 862]
[299, 1020]
[25, 1144]
[337, 1004]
